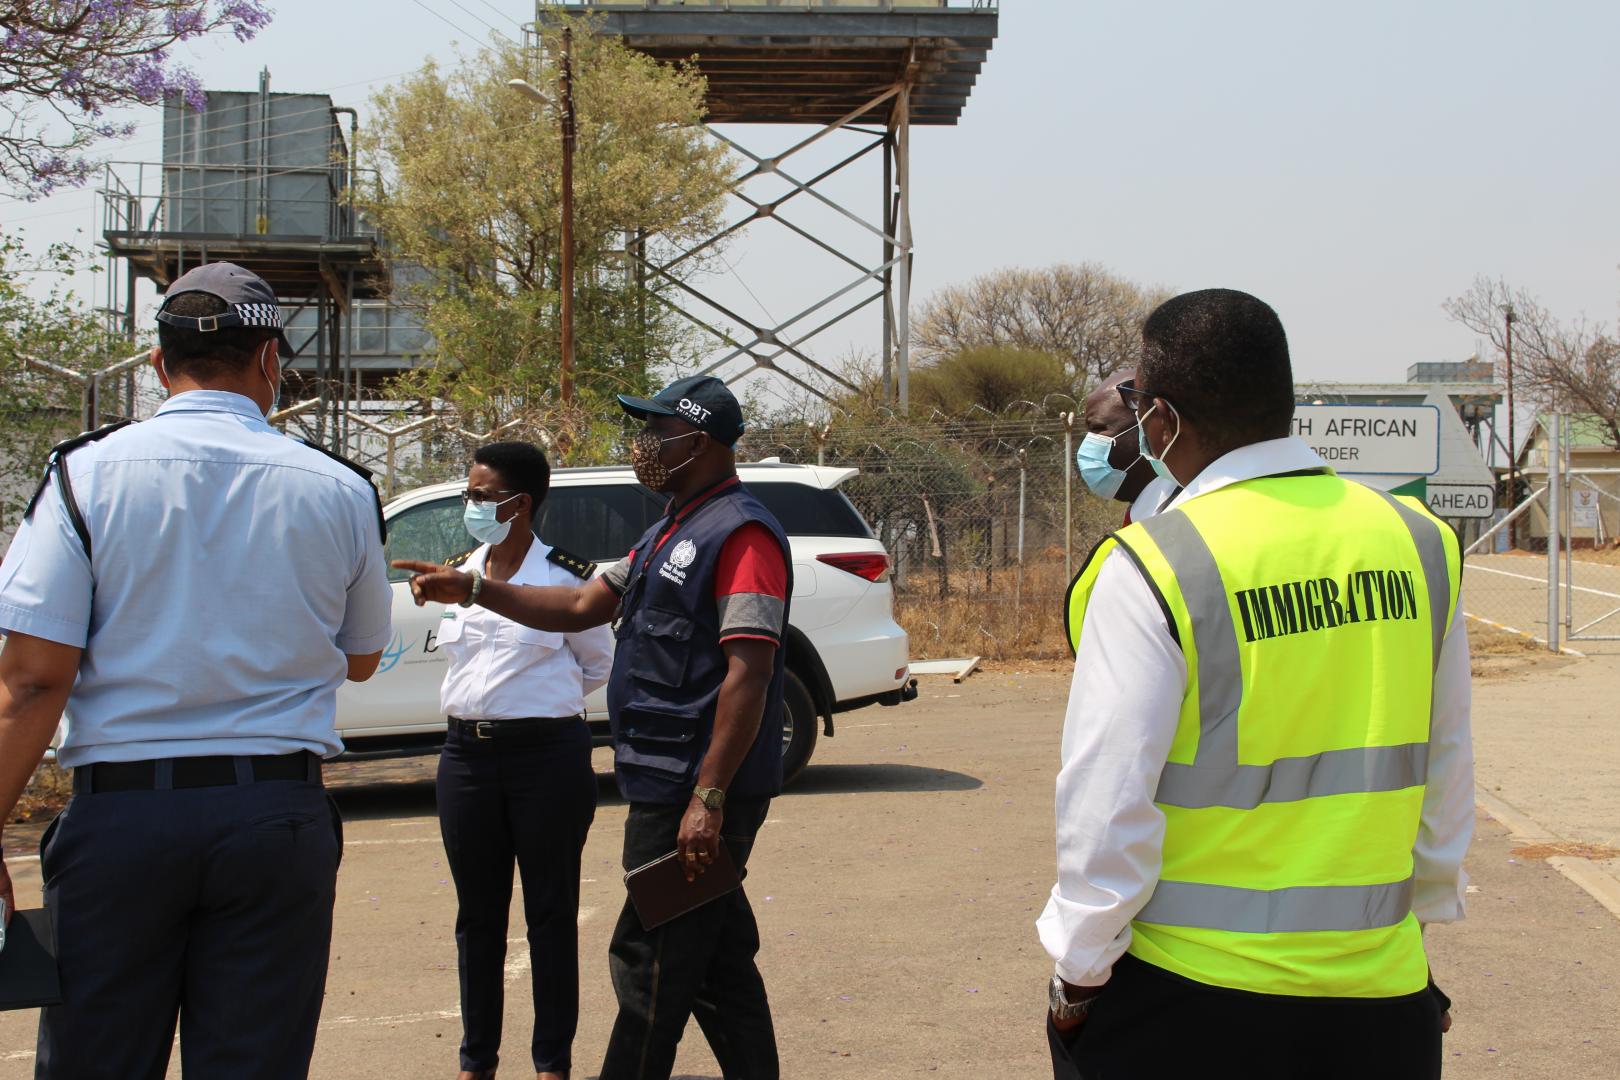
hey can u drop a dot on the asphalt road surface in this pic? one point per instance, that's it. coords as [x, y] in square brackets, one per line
[896, 886]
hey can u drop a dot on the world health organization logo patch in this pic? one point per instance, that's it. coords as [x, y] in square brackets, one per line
[684, 553]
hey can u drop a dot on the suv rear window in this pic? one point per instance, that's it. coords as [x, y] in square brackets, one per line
[602, 522]
[803, 510]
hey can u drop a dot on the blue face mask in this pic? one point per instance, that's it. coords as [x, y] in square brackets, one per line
[480, 521]
[1159, 467]
[1092, 458]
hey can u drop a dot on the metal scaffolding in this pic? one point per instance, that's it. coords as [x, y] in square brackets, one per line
[871, 69]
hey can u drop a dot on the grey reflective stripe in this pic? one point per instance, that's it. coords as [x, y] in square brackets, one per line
[1337, 772]
[1304, 909]
[1220, 674]
[1432, 555]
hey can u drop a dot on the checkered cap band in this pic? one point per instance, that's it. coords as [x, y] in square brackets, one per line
[266, 315]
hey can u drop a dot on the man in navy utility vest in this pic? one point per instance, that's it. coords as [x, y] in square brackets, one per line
[695, 702]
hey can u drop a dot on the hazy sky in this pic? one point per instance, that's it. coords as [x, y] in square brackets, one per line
[1352, 164]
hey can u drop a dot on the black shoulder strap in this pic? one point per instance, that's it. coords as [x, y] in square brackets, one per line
[575, 565]
[56, 467]
[363, 473]
[457, 560]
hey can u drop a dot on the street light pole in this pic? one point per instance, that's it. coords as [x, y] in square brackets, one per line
[1513, 444]
[564, 104]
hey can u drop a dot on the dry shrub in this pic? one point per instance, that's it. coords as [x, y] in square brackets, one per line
[45, 794]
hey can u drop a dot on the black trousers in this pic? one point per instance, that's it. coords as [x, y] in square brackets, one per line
[213, 905]
[1151, 1024]
[530, 800]
[701, 964]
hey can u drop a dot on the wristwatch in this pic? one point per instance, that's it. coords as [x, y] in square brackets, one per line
[1062, 1008]
[712, 798]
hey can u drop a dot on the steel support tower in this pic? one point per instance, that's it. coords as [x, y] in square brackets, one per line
[873, 69]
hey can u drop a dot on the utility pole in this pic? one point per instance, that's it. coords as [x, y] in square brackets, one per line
[565, 81]
[1513, 444]
[564, 104]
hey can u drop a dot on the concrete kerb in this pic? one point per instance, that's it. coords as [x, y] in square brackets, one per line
[1587, 875]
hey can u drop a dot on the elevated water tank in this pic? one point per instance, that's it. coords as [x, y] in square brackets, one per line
[255, 164]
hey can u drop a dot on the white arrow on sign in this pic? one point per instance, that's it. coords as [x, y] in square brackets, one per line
[1374, 440]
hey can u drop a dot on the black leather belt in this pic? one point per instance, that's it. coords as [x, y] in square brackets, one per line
[504, 729]
[194, 772]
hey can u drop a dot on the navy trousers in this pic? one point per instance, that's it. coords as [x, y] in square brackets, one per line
[700, 965]
[530, 800]
[1149, 1023]
[211, 905]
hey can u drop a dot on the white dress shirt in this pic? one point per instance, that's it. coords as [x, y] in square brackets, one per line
[503, 670]
[1129, 680]
[1152, 498]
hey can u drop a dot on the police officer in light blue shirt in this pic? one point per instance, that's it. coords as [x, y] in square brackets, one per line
[192, 589]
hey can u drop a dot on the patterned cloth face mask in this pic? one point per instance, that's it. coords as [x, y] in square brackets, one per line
[644, 451]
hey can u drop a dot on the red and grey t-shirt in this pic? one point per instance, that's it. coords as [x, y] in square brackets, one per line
[750, 580]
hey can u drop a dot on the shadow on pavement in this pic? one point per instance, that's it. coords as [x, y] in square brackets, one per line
[844, 779]
[373, 793]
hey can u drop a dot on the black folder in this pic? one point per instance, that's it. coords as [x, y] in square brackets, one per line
[660, 892]
[28, 978]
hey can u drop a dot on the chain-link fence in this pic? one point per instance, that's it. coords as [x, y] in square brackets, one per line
[1549, 569]
[984, 518]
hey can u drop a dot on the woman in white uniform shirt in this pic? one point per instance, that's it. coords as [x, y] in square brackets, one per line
[515, 780]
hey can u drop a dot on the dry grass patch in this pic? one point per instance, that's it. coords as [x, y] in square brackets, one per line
[1005, 615]
[1568, 849]
[1488, 641]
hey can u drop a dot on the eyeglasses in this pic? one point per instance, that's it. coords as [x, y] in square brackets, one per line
[1133, 398]
[482, 497]
[1137, 400]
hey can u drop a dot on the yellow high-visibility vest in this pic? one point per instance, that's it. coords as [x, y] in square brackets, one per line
[1311, 612]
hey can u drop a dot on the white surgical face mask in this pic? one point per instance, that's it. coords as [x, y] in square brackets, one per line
[479, 518]
[275, 384]
[1159, 467]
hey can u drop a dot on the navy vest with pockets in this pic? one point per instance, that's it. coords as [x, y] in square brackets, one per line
[668, 664]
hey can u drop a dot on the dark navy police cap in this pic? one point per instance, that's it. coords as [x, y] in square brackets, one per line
[250, 301]
[701, 400]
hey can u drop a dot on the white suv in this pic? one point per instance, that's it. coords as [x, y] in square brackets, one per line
[844, 649]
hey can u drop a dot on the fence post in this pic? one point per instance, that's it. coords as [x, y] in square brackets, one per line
[1068, 494]
[1018, 587]
[1555, 501]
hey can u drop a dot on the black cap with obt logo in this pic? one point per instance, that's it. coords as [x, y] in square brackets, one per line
[701, 400]
[249, 301]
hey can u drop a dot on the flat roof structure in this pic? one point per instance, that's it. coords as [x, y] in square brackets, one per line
[813, 63]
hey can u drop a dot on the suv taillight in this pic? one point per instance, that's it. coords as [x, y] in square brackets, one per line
[871, 565]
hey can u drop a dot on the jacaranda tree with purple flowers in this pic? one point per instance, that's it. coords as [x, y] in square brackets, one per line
[65, 64]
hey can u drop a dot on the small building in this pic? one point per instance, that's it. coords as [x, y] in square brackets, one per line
[1592, 488]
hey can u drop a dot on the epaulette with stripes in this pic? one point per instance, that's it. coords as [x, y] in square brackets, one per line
[363, 473]
[572, 563]
[56, 466]
[457, 560]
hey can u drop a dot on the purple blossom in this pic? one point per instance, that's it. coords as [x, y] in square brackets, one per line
[109, 53]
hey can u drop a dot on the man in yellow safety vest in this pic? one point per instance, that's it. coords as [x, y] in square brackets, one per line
[1267, 772]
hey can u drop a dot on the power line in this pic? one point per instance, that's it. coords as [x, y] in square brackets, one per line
[502, 14]
[486, 22]
[445, 19]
